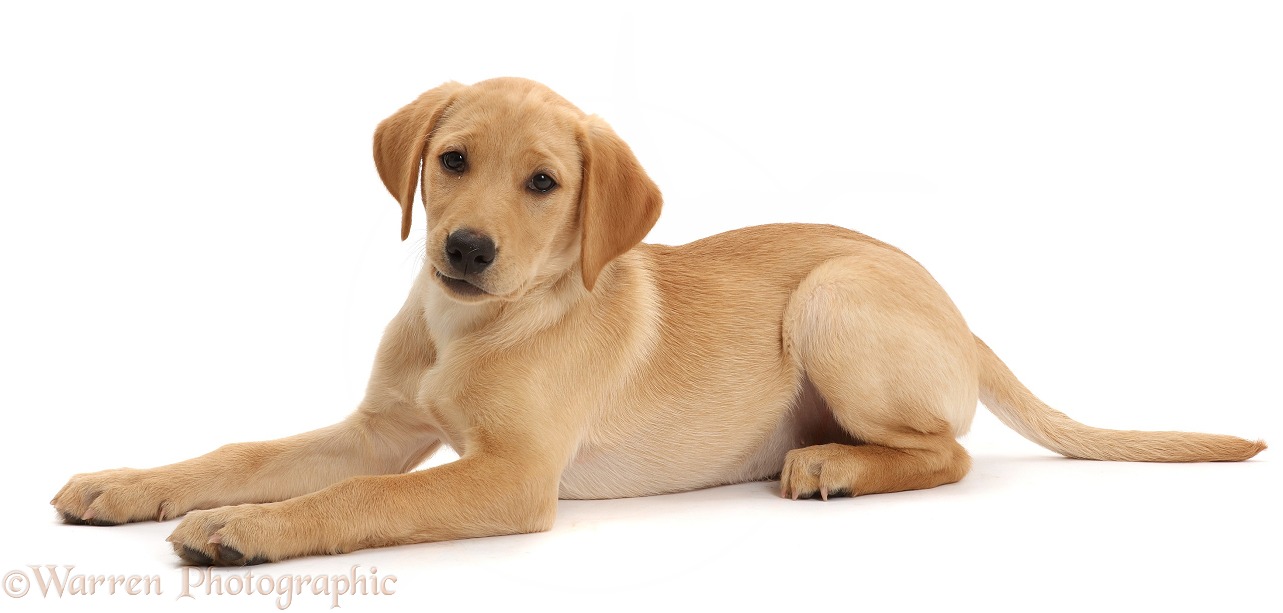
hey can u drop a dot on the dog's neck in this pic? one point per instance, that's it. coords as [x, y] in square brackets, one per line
[506, 321]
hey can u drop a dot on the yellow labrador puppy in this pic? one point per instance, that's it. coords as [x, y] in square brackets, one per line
[561, 358]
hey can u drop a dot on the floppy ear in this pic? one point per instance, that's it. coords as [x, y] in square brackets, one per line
[399, 142]
[618, 203]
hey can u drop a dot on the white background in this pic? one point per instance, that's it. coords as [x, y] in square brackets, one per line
[195, 249]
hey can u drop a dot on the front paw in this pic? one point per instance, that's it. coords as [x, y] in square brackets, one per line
[120, 495]
[241, 535]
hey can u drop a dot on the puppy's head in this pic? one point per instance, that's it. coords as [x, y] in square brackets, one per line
[520, 187]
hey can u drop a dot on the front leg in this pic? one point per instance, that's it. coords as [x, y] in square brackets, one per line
[366, 443]
[387, 434]
[486, 493]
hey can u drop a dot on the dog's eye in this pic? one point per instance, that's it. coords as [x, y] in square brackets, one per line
[453, 161]
[541, 183]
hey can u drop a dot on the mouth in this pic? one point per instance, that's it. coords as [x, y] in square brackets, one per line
[459, 286]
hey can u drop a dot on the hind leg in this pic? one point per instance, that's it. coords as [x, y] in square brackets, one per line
[894, 363]
[853, 470]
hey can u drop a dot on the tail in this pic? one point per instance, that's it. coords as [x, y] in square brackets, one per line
[1017, 407]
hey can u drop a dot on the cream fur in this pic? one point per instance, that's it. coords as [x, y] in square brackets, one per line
[582, 364]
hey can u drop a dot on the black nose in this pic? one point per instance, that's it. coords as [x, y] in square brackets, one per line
[469, 252]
